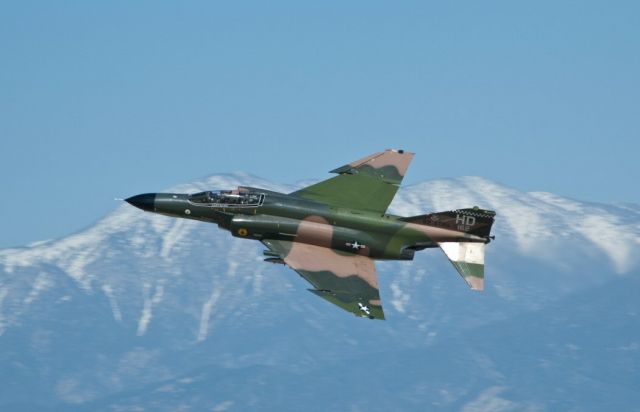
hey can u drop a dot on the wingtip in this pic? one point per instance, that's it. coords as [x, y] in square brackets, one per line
[400, 151]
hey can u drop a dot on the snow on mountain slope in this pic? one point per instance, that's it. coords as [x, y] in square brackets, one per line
[139, 299]
[99, 259]
[541, 225]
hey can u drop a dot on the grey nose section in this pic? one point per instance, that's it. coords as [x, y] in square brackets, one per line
[145, 202]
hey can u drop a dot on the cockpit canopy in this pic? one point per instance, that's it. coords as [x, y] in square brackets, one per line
[227, 198]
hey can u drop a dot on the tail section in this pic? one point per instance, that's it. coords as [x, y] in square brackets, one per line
[468, 259]
[474, 220]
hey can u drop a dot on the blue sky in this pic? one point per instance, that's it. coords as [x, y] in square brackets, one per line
[106, 99]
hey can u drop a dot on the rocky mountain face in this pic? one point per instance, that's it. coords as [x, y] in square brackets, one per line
[145, 312]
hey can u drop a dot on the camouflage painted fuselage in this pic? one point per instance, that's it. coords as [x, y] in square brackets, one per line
[285, 217]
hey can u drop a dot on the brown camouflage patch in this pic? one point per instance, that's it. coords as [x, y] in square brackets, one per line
[474, 282]
[316, 259]
[315, 230]
[393, 158]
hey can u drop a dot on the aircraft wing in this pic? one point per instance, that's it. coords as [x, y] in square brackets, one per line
[344, 279]
[366, 184]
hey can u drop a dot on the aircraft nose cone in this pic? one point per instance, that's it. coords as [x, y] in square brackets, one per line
[145, 202]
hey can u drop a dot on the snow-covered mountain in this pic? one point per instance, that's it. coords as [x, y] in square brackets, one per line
[145, 312]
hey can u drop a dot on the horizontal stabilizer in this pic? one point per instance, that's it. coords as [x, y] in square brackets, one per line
[468, 259]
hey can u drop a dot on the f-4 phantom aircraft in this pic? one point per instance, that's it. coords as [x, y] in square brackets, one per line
[331, 232]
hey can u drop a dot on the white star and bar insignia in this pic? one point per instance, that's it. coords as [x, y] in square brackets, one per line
[356, 245]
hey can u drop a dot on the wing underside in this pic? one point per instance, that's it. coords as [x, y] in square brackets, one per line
[346, 280]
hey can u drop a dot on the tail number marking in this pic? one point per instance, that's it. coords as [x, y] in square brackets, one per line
[464, 223]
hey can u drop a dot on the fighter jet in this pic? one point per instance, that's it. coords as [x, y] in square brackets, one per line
[332, 232]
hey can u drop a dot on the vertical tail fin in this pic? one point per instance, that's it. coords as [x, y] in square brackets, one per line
[474, 220]
[468, 259]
